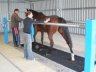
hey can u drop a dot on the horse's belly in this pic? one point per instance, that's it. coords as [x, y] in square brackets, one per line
[53, 29]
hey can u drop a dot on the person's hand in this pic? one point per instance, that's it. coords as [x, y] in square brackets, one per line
[47, 20]
[35, 20]
[2, 25]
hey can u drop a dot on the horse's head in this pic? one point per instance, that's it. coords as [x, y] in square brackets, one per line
[36, 15]
[26, 13]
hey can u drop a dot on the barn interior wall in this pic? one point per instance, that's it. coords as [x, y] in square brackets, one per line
[74, 10]
[7, 12]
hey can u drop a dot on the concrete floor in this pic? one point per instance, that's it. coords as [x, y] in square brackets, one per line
[11, 60]
[13, 57]
[6, 66]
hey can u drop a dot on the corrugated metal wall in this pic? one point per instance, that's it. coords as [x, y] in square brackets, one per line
[48, 7]
[78, 10]
[3, 11]
[74, 10]
[6, 9]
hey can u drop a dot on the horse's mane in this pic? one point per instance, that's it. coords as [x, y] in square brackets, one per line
[35, 12]
[40, 13]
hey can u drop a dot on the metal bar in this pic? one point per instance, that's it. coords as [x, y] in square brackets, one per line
[61, 24]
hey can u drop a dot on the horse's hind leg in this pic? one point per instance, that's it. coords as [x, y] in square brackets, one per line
[66, 35]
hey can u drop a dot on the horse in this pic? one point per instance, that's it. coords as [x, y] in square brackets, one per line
[51, 30]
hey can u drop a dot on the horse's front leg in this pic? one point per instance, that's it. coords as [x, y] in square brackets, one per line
[35, 28]
[42, 37]
[34, 37]
[50, 36]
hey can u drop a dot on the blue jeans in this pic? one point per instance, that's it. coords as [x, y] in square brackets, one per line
[28, 54]
[16, 38]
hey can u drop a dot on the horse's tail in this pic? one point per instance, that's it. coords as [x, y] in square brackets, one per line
[64, 31]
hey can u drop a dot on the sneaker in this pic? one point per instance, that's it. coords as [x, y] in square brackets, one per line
[31, 59]
[15, 45]
[34, 59]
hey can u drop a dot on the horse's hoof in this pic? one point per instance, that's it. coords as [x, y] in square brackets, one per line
[50, 50]
[47, 54]
[72, 57]
[40, 49]
[42, 46]
[69, 59]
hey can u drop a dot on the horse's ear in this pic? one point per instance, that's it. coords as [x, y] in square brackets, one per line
[27, 9]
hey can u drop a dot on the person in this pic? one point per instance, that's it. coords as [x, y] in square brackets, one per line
[28, 25]
[15, 19]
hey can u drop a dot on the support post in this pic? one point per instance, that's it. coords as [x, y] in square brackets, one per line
[5, 30]
[90, 45]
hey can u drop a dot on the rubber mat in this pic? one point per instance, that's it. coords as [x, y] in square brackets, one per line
[60, 57]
